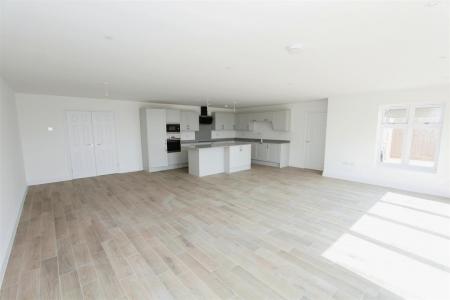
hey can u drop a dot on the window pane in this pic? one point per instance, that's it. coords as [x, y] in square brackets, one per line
[424, 146]
[395, 116]
[428, 114]
[392, 145]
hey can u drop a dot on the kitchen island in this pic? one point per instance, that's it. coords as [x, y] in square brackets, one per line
[221, 157]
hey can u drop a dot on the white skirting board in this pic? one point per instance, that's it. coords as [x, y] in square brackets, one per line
[267, 163]
[12, 238]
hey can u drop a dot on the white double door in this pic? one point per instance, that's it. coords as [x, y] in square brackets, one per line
[92, 142]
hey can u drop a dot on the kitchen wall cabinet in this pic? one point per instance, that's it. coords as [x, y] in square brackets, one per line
[261, 116]
[243, 122]
[173, 116]
[189, 121]
[270, 154]
[281, 120]
[224, 121]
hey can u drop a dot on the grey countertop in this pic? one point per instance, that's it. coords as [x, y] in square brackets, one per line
[236, 140]
[215, 144]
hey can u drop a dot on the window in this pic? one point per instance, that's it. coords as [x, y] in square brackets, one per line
[410, 136]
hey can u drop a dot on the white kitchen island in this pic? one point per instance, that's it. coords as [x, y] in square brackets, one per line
[215, 158]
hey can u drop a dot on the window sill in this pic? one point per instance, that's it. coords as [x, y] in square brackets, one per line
[403, 167]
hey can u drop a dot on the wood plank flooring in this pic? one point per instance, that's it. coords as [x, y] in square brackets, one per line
[259, 234]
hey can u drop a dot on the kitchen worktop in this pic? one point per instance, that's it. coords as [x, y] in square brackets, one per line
[236, 140]
[203, 145]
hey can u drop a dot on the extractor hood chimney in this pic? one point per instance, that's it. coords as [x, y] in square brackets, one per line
[204, 118]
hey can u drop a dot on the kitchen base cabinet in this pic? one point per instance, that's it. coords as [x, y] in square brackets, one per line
[218, 158]
[237, 158]
[276, 155]
[177, 159]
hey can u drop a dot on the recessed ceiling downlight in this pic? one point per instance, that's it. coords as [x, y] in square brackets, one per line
[294, 48]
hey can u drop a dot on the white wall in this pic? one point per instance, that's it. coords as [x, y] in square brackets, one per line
[352, 127]
[46, 153]
[12, 176]
[297, 137]
[223, 134]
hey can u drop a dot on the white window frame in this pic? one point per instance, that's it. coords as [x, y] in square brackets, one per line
[407, 141]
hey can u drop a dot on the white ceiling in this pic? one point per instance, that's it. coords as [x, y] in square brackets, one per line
[187, 51]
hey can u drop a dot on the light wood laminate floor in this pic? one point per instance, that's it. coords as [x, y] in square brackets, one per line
[266, 233]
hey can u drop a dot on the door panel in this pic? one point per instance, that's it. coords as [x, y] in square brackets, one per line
[254, 145]
[189, 121]
[105, 142]
[262, 152]
[229, 124]
[194, 123]
[315, 140]
[156, 136]
[81, 143]
[240, 155]
[274, 153]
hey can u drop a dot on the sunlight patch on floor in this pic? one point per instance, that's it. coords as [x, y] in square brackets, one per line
[413, 263]
[422, 220]
[418, 203]
[419, 243]
[391, 270]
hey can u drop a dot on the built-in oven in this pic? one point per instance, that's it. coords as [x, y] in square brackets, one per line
[173, 145]
[173, 128]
